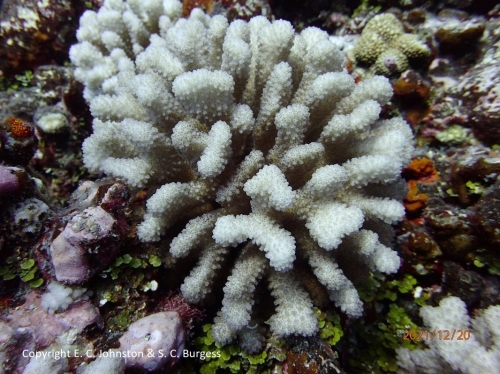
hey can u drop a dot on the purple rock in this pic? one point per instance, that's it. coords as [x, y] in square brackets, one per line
[70, 262]
[46, 327]
[13, 341]
[90, 226]
[9, 179]
[89, 232]
[86, 195]
[152, 342]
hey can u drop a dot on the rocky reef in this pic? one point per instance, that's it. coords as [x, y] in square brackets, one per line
[249, 194]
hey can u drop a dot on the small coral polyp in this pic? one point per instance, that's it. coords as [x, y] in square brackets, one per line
[252, 137]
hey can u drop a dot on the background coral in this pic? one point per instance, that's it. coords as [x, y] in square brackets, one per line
[269, 144]
[460, 344]
[385, 45]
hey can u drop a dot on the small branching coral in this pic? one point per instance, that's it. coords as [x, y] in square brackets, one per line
[253, 137]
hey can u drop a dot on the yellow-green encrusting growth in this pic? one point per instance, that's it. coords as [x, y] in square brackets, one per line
[384, 45]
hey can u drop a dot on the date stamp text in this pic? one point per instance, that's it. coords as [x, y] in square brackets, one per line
[436, 334]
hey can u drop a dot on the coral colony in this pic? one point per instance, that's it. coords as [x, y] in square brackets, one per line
[385, 46]
[256, 141]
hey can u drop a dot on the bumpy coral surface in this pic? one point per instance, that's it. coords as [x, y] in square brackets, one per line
[386, 46]
[250, 136]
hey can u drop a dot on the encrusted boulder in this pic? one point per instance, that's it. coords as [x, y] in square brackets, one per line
[11, 179]
[153, 341]
[46, 327]
[92, 238]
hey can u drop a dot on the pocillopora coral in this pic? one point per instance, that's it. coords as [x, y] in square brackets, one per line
[385, 45]
[251, 136]
[458, 344]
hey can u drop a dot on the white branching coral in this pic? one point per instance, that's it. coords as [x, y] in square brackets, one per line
[250, 136]
[60, 297]
[457, 343]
